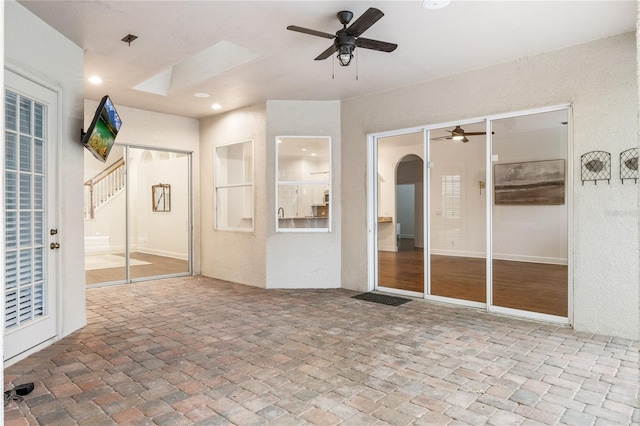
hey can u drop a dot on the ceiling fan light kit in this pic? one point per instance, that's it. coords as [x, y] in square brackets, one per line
[435, 4]
[347, 39]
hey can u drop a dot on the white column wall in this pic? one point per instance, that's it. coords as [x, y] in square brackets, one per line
[599, 79]
[304, 259]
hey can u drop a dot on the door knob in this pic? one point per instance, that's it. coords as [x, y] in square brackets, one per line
[53, 231]
[54, 246]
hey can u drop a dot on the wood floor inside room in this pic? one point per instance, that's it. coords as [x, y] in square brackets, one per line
[534, 287]
[155, 266]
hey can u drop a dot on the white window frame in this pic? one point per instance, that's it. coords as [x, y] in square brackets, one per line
[218, 203]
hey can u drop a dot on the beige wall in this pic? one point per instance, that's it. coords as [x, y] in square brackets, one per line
[599, 79]
[231, 255]
[263, 257]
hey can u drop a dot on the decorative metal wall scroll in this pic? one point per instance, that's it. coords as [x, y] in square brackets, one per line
[596, 165]
[629, 165]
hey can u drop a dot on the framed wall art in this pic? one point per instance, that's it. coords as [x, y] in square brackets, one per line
[530, 183]
[161, 197]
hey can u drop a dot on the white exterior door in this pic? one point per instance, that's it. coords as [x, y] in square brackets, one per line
[31, 250]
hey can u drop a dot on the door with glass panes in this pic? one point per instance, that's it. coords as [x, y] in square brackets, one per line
[31, 237]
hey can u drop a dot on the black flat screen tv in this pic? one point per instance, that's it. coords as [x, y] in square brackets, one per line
[103, 130]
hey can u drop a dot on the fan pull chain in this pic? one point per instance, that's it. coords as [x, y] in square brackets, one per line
[333, 67]
[356, 55]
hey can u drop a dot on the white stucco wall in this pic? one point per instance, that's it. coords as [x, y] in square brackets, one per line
[231, 255]
[305, 259]
[599, 79]
[57, 65]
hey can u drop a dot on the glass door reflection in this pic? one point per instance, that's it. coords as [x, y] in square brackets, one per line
[530, 213]
[155, 186]
[159, 212]
[105, 195]
[457, 199]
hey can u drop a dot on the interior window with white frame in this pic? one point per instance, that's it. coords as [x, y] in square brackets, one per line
[234, 190]
[303, 170]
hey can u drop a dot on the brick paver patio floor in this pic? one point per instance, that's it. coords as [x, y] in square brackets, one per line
[196, 350]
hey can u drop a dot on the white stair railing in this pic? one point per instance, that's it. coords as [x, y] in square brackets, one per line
[104, 186]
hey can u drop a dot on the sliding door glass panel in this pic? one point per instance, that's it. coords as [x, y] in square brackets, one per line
[401, 212]
[105, 197]
[457, 261]
[529, 211]
[159, 213]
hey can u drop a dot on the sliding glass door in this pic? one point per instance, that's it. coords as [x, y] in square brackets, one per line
[400, 220]
[495, 206]
[137, 216]
[457, 213]
[159, 213]
[530, 213]
[105, 219]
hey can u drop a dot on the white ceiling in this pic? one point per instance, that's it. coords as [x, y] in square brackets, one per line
[241, 53]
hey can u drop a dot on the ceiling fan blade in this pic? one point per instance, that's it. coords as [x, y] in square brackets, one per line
[382, 46]
[439, 138]
[310, 32]
[366, 20]
[326, 53]
[474, 133]
[464, 139]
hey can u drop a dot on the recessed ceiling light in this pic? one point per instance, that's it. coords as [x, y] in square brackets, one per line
[435, 4]
[304, 149]
[201, 95]
[216, 106]
[313, 154]
[94, 79]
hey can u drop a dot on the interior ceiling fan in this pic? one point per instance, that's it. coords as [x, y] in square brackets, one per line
[459, 134]
[348, 38]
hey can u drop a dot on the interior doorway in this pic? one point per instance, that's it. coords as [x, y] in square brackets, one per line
[138, 216]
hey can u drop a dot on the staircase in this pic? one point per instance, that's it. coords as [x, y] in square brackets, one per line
[103, 187]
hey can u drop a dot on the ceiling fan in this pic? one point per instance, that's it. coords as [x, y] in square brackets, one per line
[348, 38]
[459, 134]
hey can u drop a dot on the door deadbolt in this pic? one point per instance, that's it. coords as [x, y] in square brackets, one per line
[54, 246]
[53, 231]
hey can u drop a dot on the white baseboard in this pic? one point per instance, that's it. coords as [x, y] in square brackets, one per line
[387, 248]
[458, 253]
[501, 256]
[181, 256]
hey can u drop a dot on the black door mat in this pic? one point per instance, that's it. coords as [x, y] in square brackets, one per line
[382, 298]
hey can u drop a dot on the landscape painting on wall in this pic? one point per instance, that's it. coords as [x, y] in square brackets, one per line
[529, 183]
